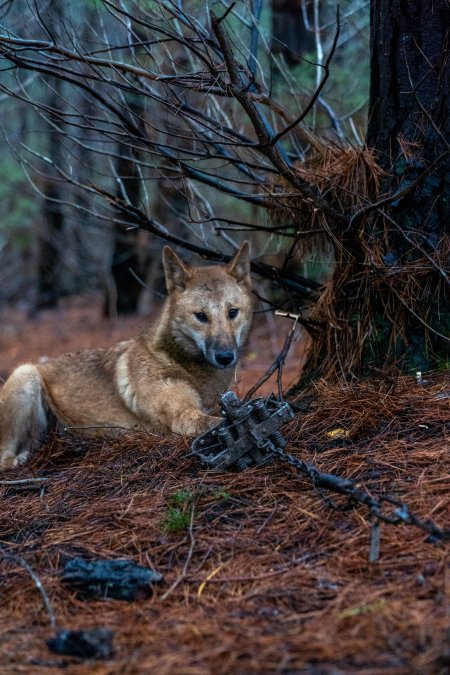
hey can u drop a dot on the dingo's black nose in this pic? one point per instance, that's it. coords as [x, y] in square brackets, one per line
[224, 359]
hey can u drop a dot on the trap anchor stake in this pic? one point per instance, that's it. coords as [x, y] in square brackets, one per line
[245, 436]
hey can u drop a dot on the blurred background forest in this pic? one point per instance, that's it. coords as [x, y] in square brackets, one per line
[59, 238]
[318, 132]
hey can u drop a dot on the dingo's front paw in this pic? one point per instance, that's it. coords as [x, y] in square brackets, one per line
[7, 460]
[194, 425]
[206, 423]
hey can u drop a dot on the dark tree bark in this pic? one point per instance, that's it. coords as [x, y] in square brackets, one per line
[409, 126]
[290, 36]
[390, 295]
[126, 254]
[50, 268]
[50, 232]
[410, 78]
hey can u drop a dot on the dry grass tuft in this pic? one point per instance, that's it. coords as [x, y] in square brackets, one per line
[378, 276]
[347, 176]
[275, 580]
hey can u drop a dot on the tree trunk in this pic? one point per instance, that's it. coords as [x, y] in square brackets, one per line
[290, 36]
[410, 129]
[50, 269]
[390, 294]
[129, 259]
[50, 233]
[126, 255]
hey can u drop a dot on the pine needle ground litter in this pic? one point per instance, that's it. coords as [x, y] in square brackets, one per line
[260, 574]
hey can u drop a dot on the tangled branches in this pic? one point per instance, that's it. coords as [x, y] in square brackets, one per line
[183, 99]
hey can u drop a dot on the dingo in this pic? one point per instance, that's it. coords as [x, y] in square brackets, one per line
[164, 381]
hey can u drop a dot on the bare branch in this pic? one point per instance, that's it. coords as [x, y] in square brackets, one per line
[263, 129]
[319, 89]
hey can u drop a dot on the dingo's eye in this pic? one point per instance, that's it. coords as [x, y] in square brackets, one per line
[233, 312]
[201, 316]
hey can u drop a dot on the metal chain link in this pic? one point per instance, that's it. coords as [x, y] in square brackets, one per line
[250, 434]
[399, 514]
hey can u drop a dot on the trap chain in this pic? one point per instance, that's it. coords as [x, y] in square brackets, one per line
[250, 435]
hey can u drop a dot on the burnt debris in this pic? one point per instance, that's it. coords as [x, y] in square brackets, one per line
[94, 643]
[118, 579]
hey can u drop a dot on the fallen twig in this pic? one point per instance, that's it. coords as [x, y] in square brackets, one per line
[23, 481]
[7, 555]
[187, 562]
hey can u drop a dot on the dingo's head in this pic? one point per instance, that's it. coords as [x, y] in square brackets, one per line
[209, 308]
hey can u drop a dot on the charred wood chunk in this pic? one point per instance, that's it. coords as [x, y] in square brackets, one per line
[94, 643]
[118, 579]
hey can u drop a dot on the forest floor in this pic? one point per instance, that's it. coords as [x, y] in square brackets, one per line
[261, 574]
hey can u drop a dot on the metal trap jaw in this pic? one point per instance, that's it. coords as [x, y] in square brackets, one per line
[246, 435]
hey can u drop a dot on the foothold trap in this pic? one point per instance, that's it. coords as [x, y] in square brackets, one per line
[244, 437]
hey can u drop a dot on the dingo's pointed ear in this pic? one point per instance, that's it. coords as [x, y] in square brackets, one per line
[176, 271]
[239, 266]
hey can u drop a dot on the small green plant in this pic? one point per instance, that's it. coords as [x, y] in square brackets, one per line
[221, 494]
[182, 504]
[180, 511]
[177, 520]
[371, 608]
[183, 497]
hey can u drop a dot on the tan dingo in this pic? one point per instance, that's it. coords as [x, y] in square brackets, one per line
[165, 380]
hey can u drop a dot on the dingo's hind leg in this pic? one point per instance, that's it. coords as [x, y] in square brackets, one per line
[22, 415]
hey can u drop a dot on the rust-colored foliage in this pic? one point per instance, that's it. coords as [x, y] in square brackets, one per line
[262, 576]
[377, 274]
[348, 176]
